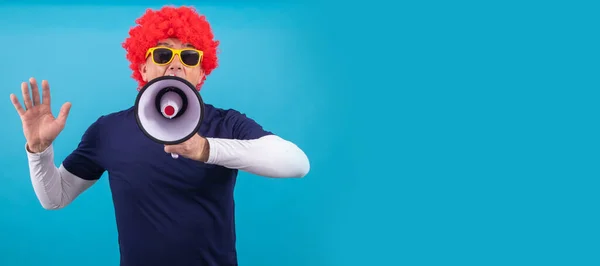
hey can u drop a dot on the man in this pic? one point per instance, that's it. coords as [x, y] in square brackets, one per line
[168, 211]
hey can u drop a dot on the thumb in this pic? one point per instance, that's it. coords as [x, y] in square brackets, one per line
[172, 148]
[64, 113]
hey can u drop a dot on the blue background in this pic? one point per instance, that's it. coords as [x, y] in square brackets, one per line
[439, 133]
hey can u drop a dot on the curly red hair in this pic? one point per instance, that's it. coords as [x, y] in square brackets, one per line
[182, 23]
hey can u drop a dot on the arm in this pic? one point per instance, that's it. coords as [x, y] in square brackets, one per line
[56, 187]
[255, 150]
[269, 156]
[250, 148]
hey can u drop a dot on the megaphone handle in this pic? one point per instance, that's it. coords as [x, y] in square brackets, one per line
[174, 155]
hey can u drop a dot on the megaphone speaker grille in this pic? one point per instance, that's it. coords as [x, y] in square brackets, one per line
[169, 110]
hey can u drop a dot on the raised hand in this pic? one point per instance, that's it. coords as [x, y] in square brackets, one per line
[39, 125]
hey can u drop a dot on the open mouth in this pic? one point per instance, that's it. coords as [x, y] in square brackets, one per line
[174, 74]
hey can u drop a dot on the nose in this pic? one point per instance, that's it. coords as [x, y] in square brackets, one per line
[175, 64]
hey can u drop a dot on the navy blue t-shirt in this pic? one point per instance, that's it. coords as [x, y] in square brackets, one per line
[168, 211]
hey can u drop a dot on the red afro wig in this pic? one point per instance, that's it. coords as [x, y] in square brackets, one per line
[182, 23]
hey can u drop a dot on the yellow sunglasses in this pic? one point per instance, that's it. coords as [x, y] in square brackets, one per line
[164, 55]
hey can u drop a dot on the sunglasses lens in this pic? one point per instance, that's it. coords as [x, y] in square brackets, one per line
[190, 57]
[162, 55]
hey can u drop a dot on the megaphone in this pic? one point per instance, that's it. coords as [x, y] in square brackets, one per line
[169, 110]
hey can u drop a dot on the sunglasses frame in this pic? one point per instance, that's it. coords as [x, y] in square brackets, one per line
[174, 52]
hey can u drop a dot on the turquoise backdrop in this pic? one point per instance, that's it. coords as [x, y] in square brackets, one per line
[439, 132]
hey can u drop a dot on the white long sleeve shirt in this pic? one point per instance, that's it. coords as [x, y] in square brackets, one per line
[268, 156]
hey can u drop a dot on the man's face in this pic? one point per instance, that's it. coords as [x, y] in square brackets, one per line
[150, 70]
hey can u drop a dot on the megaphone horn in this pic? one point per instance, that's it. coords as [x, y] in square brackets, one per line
[169, 110]
[171, 102]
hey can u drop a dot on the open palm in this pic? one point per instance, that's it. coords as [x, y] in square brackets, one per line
[39, 125]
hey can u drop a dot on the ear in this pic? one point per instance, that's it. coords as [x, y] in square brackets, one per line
[143, 71]
[201, 76]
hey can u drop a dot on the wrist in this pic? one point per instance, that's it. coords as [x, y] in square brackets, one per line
[35, 147]
[204, 150]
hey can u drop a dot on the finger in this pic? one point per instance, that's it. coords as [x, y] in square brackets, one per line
[15, 102]
[169, 148]
[64, 113]
[173, 149]
[26, 96]
[35, 91]
[45, 92]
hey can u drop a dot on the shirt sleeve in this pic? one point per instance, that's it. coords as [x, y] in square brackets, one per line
[84, 162]
[243, 127]
[256, 150]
